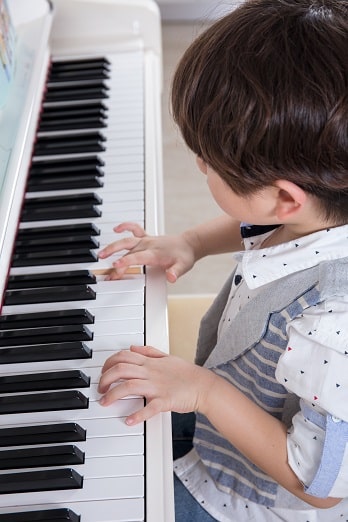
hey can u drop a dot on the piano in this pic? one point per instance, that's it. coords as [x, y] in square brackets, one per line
[80, 151]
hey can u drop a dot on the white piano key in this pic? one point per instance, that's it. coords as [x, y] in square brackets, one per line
[119, 510]
[90, 392]
[101, 313]
[100, 264]
[121, 408]
[96, 361]
[93, 489]
[106, 236]
[113, 218]
[108, 195]
[128, 439]
[114, 189]
[130, 168]
[112, 162]
[114, 343]
[100, 467]
[117, 190]
[111, 153]
[134, 283]
[93, 373]
[109, 445]
[107, 300]
[117, 327]
[106, 343]
[109, 206]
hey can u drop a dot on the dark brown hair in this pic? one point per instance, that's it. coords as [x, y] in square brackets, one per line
[262, 95]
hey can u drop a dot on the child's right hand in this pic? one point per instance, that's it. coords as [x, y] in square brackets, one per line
[174, 254]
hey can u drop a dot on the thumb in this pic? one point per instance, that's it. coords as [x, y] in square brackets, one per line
[175, 271]
[171, 275]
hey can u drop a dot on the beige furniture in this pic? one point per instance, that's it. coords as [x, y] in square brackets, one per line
[184, 315]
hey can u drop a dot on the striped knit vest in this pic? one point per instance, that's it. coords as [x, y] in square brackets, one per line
[247, 356]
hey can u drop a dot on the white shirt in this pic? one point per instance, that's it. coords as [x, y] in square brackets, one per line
[301, 369]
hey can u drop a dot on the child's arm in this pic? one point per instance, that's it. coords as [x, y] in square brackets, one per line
[176, 254]
[172, 384]
[258, 435]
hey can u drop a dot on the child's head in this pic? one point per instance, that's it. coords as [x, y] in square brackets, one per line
[262, 95]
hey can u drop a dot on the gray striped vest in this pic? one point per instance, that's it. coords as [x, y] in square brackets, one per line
[247, 355]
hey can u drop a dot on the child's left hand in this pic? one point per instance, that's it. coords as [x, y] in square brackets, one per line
[167, 382]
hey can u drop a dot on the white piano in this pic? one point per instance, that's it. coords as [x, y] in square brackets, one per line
[80, 151]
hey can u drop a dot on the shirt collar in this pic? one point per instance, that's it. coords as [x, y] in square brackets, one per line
[264, 265]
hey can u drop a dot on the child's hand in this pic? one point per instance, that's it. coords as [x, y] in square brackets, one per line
[167, 382]
[172, 253]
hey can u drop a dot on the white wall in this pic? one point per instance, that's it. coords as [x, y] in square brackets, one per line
[194, 9]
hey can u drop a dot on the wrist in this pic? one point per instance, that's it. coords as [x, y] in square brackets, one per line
[206, 384]
[193, 240]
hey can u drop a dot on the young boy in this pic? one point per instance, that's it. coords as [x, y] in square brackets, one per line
[261, 99]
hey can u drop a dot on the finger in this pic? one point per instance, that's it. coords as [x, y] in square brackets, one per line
[151, 409]
[171, 276]
[122, 372]
[134, 228]
[119, 273]
[140, 257]
[126, 388]
[127, 243]
[113, 275]
[122, 356]
[148, 351]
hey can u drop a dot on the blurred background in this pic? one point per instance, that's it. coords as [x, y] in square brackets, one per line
[187, 200]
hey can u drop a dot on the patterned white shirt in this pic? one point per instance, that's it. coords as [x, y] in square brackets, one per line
[314, 367]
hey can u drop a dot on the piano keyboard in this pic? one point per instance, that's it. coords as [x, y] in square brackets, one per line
[62, 455]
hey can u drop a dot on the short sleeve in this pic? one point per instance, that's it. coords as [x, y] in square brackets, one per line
[314, 366]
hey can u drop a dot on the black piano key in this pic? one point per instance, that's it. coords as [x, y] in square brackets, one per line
[46, 279]
[71, 165]
[36, 402]
[42, 434]
[61, 207]
[87, 73]
[56, 334]
[55, 257]
[40, 174]
[66, 200]
[42, 457]
[83, 92]
[73, 123]
[58, 380]
[49, 480]
[81, 63]
[45, 515]
[45, 352]
[41, 245]
[73, 110]
[76, 87]
[49, 295]
[59, 121]
[69, 144]
[61, 231]
[73, 212]
[85, 181]
[43, 319]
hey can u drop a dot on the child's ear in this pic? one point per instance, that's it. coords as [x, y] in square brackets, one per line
[290, 199]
